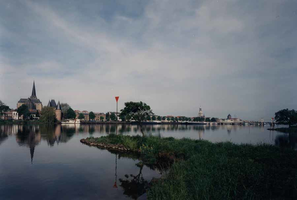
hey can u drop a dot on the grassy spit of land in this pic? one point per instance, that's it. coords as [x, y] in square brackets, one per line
[292, 129]
[204, 170]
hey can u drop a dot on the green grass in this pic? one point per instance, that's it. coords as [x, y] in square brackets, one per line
[204, 170]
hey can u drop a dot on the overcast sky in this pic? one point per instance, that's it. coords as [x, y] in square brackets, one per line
[227, 56]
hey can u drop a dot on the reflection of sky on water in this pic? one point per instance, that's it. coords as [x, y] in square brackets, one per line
[62, 167]
[61, 134]
[51, 161]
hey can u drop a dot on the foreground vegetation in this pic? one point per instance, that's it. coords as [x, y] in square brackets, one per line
[203, 170]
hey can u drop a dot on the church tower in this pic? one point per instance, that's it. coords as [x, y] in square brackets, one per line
[33, 103]
[59, 112]
[33, 95]
[200, 113]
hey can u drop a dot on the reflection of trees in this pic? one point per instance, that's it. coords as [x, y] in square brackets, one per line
[286, 140]
[47, 133]
[126, 128]
[56, 134]
[68, 131]
[91, 130]
[113, 128]
[3, 136]
[134, 185]
[80, 129]
[214, 128]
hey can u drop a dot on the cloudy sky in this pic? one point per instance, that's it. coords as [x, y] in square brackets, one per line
[227, 56]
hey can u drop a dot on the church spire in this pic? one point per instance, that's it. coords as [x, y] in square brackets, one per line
[33, 91]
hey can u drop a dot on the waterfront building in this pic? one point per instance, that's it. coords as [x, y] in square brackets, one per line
[33, 103]
[230, 120]
[10, 115]
[86, 115]
[84, 112]
[99, 115]
[57, 108]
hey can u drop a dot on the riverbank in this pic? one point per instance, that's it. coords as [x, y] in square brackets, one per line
[204, 170]
[285, 130]
[142, 123]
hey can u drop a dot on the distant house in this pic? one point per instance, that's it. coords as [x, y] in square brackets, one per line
[99, 115]
[86, 115]
[10, 115]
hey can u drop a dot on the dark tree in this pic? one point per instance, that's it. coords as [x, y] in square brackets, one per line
[102, 118]
[213, 119]
[81, 116]
[137, 111]
[113, 117]
[48, 115]
[148, 118]
[3, 107]
[92, 115]
[64, 108]
[159, 118]
[200, 119]
[163, 118]
[286, 116]
[70, 114]
[107, 117]
[23, 110]
[154, 117]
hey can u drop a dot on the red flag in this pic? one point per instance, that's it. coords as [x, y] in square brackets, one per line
[117, 98]
[115, 185]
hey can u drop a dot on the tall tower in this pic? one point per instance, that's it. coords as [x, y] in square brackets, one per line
[58, 112]
[200, 113]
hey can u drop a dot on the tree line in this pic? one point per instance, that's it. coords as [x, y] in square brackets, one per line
[136, 111]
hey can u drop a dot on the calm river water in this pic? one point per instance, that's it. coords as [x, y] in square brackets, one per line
[50, 163]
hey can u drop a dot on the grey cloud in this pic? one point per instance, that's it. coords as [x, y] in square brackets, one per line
[228, 56]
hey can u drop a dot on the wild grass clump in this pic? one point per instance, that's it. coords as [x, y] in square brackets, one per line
[204, 170]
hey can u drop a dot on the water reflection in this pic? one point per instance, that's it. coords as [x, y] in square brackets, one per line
[62, 166]
[28, 136]
[287, 141]
[58, 157]
[134, 185]
[54, 135]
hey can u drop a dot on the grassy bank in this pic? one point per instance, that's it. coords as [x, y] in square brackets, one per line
[203, 170]
[292, 129]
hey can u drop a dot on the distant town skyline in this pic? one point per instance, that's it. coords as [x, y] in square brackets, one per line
[228, 57]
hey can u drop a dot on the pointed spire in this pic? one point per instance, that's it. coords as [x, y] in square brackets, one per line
[33, 91]
[49, 103]
[59, 106]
